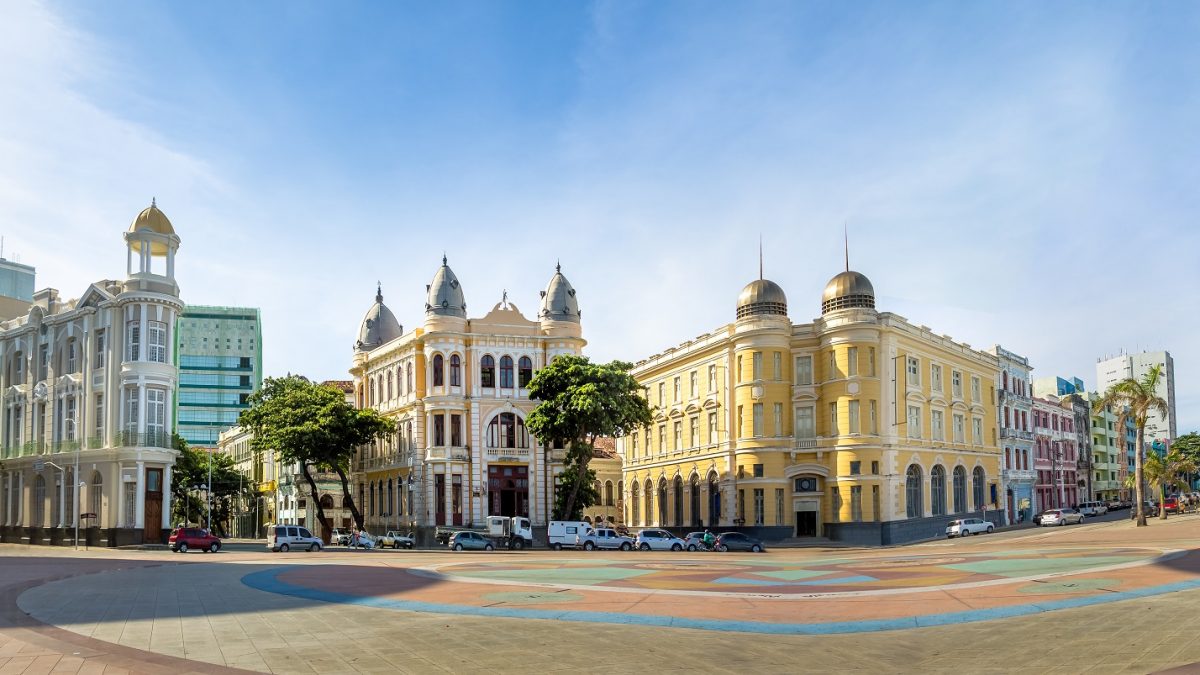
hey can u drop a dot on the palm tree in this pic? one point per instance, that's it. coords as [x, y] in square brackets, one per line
[1163, 472]
[1135, 399]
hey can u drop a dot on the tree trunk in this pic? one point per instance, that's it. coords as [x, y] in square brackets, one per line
[580, 476]
[326, 530]
[1139, 477]
[1162, 501]
[358, 519]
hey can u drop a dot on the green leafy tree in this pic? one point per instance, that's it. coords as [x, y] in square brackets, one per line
[1134, 399]
[313, 426]
[192, 470]
[1166, 472]
[580, 401]
[1189, 445]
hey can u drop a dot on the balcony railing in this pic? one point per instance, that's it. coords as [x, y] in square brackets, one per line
[1016, 433]
[494, 453]
[1019, 474]
[806, 443]
[152, 439]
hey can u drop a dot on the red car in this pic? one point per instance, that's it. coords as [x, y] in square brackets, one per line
[184, 538]
[1171, 504]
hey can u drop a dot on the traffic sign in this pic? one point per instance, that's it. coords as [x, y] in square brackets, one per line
[39, 465]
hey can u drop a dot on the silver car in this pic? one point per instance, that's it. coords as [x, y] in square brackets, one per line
[967, 526]
[1061, 517]
[470, 541]
[659, 540]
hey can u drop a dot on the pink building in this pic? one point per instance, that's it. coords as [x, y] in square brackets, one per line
[1055, 454]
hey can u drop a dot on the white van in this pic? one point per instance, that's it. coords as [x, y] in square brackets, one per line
[566, 533]
[1093, 508]
[286, 537]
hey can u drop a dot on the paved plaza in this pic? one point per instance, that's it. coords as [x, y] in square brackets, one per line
[1102, 597]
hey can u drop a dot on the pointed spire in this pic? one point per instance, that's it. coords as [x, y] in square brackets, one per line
[378, 292]
[443, 257]
[153, 203]
[760, 257]
[846, 235]
[558, 266]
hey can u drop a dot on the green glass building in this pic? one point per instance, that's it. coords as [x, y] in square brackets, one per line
[220, 365]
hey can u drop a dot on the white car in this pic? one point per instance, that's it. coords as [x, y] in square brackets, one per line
[968, 526]
[394, 539]
[283, 538]
[659, 540]
[1093, 508]
[1061, 517]
[604, 538]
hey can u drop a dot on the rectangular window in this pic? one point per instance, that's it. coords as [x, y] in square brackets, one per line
[852, 361]
[870, 362]
[778, 419]
[914, 421]
[133, 332]
[938, 426]
[98, 362]
[835, 499]
[757, 365]
[758, 419]
[679, 435]
[43, 362]
[662, 438]
[935, 377]
[456, 430]
[156, 344]
[914, 371]
[856, 503]
[959, 429]
[712, 427]
[977, 429]
[804, 374]
[805, 424]
[439, 429]
[695, 384]
[779, 511]
[874, 417]
[833, 420]
[72, 356]
[759, 507]
[98, 420]
[855, 467]
[739, 368]
[131, 410]
[777, 367]
[72, 427]
[757, 470]
[956, 383]
[875, 467]
[832, 373]
[635, 444]
[854, 428]
[742, 504]
[975, 389]
[678, 390]
[662, 394]
[694, 431]
[712, 379]
[740, 423]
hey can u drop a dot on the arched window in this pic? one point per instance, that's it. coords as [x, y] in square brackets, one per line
[960, 489]
[524, 371]
[97, 498]
[389, 385]
[634, 514]
[439, 375]
[487, 372]
[662, 502]
[371, 499]
[390, 500]
[507, 430]
[455, 371]
[649, 515]
[408, 378]
[694, 499]
[400, 380]
[39, 502]
[608, 493]
[714, 500]
[506, 372]
[326, 502]
[678, 501]
[937, 490]
[977, 485]
[371, 400]
[913, 490]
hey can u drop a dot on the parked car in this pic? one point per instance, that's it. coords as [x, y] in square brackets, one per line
[1061, 517]
[1171, 504]
[340, 536]
[363, 539]
[184, 538]
[562, 533]
[694, 541]
[394, 539]
[283, 538]
[968, 526]
[1093, 508]
[736, 541]
[659, 540]
[604, 538]
[1114, 504]
[470, 541]
[1150, 508]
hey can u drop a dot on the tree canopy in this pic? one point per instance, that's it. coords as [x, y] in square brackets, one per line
[1135, 399]
[580, 401]
[191, 471]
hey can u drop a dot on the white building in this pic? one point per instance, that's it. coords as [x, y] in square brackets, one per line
[1111, 371]
[87, 387]
[1014, 412]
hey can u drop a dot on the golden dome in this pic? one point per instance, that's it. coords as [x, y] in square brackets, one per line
[761, 296]
[848, 289]
[154, 220]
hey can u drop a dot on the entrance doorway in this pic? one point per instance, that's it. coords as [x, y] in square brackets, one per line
[508, 487]
[152, 531]
[439, 496]
[806, 523]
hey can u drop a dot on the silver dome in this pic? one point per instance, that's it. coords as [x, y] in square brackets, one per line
[761, 296]
[378, 326]
[848, 289]
[445, 297]
[558, 300]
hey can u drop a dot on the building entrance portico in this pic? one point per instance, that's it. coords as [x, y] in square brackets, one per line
[808, 516]
[508, 487]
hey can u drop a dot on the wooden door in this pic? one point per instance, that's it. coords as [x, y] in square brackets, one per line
[152, 532]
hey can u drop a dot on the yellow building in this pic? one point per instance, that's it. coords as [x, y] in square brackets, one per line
[858, 426]
[606, 462]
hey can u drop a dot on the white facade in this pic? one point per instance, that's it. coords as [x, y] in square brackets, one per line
[87, 401]
[1111, 371]
[1013, 410]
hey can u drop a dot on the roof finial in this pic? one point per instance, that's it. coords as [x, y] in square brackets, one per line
[378, 291]
[504, 298]
[443, 257]
[558, 265]
[153, 205]
[760, 259]
[846, 234]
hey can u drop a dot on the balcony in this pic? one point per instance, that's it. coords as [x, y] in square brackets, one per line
[391, 461]
[1015, 475]
[806, 443]
[152, 439]
[448, 452]
[1017, 434]
[507, 454]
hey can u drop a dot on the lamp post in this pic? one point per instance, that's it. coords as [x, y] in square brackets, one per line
[75, 477]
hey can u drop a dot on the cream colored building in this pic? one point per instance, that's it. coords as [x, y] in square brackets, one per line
[610, 486]
[87, 403]
[457, 390]
[858, 426]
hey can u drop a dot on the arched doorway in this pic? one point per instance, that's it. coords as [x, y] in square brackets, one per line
[694, 500]
[635, 516]
[649, 512]
[678, 501]
[914, 492]
[662, 502]
[714, 500]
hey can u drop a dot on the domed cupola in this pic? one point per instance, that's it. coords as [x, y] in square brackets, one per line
[445, 296]
[761, 297]
[848, 290]
[558, 300]
[379, 326]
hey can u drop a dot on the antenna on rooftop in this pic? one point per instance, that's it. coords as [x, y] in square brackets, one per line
[760, 259]
[846, 237]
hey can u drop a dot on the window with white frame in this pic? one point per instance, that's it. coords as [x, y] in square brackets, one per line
[913, 368]
[778, 419]
[960, 431]
[662, 438]
[757, 365]
[914, 421]
[852, 361]
[662, 394]
[156, 342]
[131, 410]
[133, 342]
[977, 429]
[758, 419]
[74, 420]
[777, 367]
[738, 373]
[156, 411]
[833, 420]
[805, 423]
[679, 435]
[695, 384]
[938, 425]
[874, 417]
[712, 379]
[804, 374]
[870, 362]
[854, 428]
[935, 377]
[956, 383]
[678, 390]
[72, 356]
[694, 431]
[712, 427]
[975, 389]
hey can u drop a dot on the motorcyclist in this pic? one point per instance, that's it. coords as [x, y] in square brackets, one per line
[709, 540]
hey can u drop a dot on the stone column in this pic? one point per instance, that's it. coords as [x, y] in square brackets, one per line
[139, 512]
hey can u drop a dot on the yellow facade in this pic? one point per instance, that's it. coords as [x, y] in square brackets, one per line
[859, 426]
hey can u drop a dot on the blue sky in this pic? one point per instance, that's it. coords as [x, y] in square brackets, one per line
[1021, 173]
